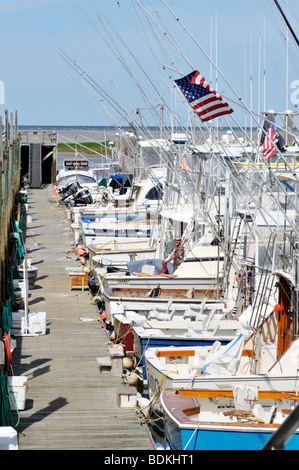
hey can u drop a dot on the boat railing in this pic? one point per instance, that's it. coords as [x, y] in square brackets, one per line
[38, 137]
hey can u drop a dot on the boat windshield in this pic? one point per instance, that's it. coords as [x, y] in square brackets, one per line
[82, 179]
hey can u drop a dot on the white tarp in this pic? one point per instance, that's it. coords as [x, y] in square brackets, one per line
[225, 360]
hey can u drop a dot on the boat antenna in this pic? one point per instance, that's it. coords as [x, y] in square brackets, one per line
[287, 22]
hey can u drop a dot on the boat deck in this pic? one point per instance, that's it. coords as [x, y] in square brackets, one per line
[70, 404]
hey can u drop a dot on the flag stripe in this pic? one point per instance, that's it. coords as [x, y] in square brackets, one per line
[269, 145]
[208, 108]
[204, 101]
[215, 115]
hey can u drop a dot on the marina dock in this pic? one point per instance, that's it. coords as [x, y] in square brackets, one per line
[70, 404]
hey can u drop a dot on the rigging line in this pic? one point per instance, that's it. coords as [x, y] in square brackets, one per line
[282, 129]
[242, 196]
[81, 145]
[130, 52]
[213, 64]
[143, 37]
[283, 38]
[166, 36]
[284, 190]
[280, 184]
[68, 145]
[152, 137]
[153, 52]
[250, 159]
[79, 87]
[84, 75]
[292, 171]
[155, 115]
[91, 88]
[137, 83]
[169, 31]
[294, 12]
[129, 116]
[164, 49]
[272, 61]
[179, 119]
[120, 57]
[72, 63]
[287, 22]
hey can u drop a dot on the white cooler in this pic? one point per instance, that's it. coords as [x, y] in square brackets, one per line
[17, 387]
[8, 438]
[37, 323]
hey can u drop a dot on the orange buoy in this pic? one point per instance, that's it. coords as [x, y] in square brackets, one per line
[277, 307]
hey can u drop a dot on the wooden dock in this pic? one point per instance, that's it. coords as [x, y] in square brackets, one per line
[70, 404]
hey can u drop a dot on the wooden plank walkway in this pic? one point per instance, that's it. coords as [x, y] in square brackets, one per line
[70, 405]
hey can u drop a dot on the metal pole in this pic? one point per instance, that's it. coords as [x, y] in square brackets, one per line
[285, 431]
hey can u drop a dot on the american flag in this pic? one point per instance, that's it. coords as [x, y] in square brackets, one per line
[207, 103]
[269, 145]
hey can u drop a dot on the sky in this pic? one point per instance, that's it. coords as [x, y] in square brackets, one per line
[132, 50]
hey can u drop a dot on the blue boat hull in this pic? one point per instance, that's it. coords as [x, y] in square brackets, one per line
[187, 439]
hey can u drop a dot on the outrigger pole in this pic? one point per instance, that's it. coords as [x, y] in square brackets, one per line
[287, 22]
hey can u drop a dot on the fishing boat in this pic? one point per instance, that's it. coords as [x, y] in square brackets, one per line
[267, 359]
[75, 170]
[242, 418]
[139, 299]
[101, 232]
[202, 268]
[115, 255]
[179, 334]
[138, 332]
[92, 215]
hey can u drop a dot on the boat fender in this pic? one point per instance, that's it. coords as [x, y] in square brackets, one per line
[132, 378]
[143, 404]
[127, 363]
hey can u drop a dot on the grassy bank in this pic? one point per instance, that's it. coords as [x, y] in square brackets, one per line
[86, 148]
